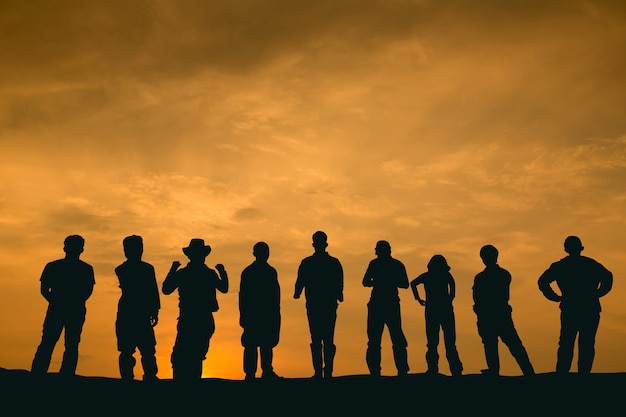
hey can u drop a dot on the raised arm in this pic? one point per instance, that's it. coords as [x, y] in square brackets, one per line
[171, 280]
[223, 281]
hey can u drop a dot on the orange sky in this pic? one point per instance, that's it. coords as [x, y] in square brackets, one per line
[439, 126]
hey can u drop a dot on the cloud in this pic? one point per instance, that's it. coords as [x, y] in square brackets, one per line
[155, 39]
[160, 38]
[248, 213]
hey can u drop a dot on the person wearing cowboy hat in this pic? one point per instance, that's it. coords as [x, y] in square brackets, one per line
[197, 285]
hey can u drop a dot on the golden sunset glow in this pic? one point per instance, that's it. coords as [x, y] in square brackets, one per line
[439, 126]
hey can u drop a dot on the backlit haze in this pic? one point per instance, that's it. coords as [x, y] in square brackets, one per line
[439, 126]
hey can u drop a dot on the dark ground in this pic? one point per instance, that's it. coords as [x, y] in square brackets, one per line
[418, 394]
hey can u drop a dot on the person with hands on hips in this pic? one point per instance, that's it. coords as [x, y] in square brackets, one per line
[440, 291]
[582, 281]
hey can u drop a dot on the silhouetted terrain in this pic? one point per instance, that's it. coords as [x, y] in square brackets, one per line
[418, 394]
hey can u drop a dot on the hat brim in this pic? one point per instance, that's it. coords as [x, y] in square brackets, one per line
[204, 250]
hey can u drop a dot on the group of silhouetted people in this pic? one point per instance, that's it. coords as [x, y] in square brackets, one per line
[67, 284]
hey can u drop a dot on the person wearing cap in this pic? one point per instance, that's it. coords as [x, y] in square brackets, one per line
[581, 281]
[259, 313]
[385, 275]
[197, 285]
[66, 284]
[137, 311]
[490, 292]
[320, 276]
[440, 289]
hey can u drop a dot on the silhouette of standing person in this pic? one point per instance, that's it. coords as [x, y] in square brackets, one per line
[321, 277]
[440, 291]
[66, 284]
[491, 293]
[259, 313]
[581, 281]
[385, 275]
[197, 285]
[137, 311]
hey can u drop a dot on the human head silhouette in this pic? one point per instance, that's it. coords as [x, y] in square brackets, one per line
[573, 245]
[489, 255]
[261, 251]
[383, 249]
[438, 264]
[197, 250]
[73, 246]
[320, 240]
[133, 247]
